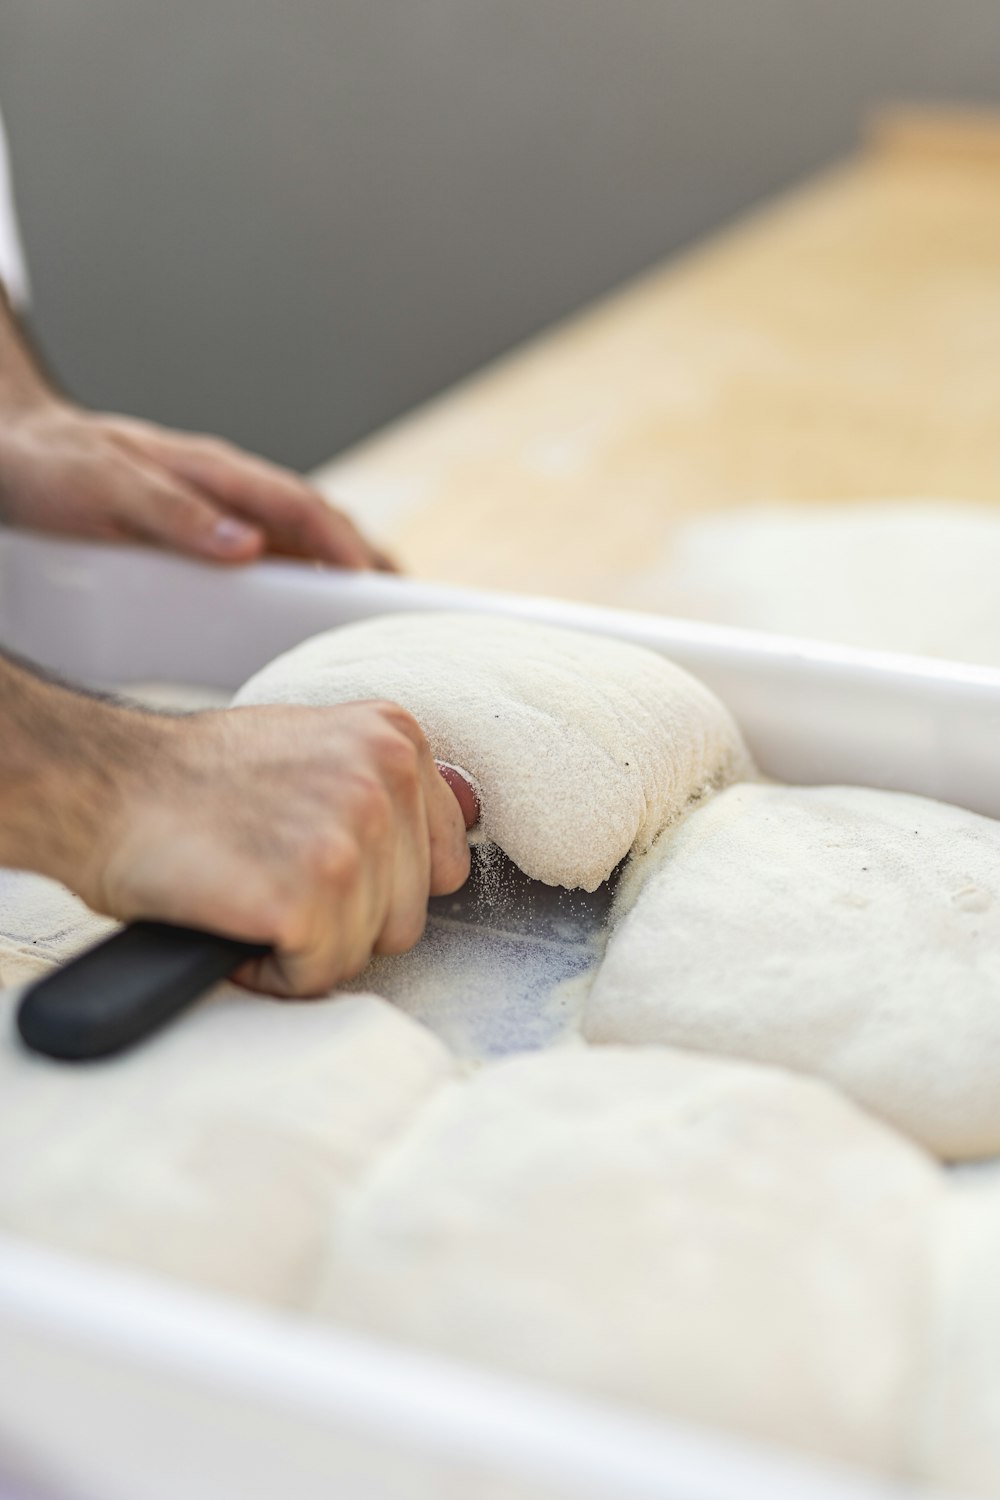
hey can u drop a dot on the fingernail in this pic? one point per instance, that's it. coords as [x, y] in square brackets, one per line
[230, 535]
[465, 789]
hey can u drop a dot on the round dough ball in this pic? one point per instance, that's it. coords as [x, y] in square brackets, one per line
[218, 1151]
[583, 748]
[723, 1243]
[895, 575]
[41, 924]
[840, 931]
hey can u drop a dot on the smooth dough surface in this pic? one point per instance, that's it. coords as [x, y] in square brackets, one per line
[954, 1434]
[917, 576]
[583, 748]
[728, 1244]
[220, 1150]
[840, 931]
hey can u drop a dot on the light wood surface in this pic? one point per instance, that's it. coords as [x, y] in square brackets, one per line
[841, 343]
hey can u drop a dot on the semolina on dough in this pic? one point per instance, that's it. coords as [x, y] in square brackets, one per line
[42, 924]
[850, 933]
[582, 748]
[727, 1244]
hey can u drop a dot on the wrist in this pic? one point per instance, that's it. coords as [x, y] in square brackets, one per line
[23, 386]
[32, 435]
[26, 401]
[69, 764]
[22, 390]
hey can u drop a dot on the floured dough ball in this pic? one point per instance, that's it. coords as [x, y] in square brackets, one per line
[583, 748]
[836, 930]
[219, 1151]
[954, 1438]
[726, 1244]
[42, 924]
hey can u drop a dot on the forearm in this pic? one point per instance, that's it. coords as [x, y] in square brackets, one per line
[63, 756]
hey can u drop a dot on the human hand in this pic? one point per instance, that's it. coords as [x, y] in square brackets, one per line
[67, 470]
[320, 832]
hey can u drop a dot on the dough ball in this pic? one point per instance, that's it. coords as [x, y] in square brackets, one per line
[583, 748]
[217, 1151]
[901, 575]
[954, 1438]
[41, 924]
[835, 930]
[727, 1244]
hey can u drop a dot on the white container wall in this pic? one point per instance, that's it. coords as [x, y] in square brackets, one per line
[117, 1386]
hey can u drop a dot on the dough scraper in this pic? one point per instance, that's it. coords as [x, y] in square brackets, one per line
[482, 975]
[495, 970]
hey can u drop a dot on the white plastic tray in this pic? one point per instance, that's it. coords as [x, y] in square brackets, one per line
[116, 1386]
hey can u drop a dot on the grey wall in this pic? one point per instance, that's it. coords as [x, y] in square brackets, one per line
[287, 220]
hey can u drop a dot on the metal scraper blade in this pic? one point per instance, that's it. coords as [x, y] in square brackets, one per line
[492, 973]
[501, 898]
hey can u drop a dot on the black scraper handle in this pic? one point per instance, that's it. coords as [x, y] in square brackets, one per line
[124, 988]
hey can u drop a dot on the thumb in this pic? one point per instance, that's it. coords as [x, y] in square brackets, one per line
[465, 791]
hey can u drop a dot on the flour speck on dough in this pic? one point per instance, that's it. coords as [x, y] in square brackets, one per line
[808, 927]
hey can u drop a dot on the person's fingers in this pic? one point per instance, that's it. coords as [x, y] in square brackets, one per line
[450, 859]
[296, 518]
[383, 562]
[153, 506]
[449, 847]
[334, 917]
[334, 954]
[430, 854]
[406, 913]
[357, 840]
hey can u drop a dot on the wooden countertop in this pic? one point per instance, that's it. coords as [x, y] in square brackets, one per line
[842, 342]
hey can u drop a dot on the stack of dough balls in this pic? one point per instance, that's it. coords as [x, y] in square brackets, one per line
[722, 1200]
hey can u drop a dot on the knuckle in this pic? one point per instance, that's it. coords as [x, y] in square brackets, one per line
[451, 870]
[290, 925]
[187, 511]
[372, 807]
[349, 968]
[335, 859]
[404, 933]
[400, 758]
[397, 745]
[399, 719]
[305, 980]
